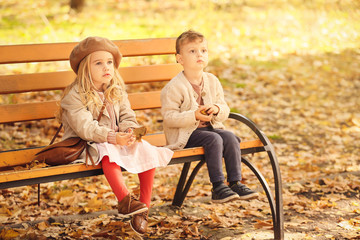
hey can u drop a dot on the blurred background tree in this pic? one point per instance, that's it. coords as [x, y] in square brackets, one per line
[77, 5]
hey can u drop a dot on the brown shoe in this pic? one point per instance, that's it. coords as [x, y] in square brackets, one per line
[129, 206]
[139, 222]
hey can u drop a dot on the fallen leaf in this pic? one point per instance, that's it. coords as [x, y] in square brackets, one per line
[8, 234]
[42, 226]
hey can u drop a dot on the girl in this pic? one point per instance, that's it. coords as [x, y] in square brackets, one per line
[110, 141]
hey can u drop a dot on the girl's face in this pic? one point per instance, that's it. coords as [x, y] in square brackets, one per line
[193, 55]
[101, 68]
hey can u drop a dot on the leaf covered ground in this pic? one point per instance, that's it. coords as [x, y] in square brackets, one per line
[290, 66]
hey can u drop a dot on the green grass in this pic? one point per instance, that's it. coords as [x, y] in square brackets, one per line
[235, 110]
[261, 30]
[275, 137]
[240, 85]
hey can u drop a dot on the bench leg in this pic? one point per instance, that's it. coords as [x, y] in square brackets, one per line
[276, 209]
[182, 191]
[268, 147]
[265, 186]
[279, 226]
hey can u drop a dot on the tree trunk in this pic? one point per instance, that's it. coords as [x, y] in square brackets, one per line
[77, 5]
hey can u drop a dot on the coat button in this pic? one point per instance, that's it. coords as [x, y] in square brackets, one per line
[203, 94]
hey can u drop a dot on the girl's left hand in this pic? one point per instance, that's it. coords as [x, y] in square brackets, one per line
[133, 137]
[125, 139]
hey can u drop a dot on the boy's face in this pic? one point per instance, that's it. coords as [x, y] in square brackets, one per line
[193, 55]
[101, 68]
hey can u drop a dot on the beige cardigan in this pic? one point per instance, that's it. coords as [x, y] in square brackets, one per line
[178, 106]
[79, 121]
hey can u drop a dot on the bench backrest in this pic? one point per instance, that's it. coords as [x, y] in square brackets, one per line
[14, 83]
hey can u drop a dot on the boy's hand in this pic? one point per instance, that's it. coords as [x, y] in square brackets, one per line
[125, 139]
[203, 114]
[212, 109]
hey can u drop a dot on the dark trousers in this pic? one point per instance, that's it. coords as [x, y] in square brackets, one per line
[218, 144]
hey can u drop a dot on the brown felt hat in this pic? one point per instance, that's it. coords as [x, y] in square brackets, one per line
[90, 45]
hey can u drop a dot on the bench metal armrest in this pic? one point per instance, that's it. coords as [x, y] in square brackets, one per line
[278, 219]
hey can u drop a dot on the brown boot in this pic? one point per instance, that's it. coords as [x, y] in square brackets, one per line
[129, 206]
[139, 222]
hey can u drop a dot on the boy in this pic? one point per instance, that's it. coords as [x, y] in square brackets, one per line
[193, 109]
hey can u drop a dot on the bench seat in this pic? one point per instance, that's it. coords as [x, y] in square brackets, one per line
[15, 178]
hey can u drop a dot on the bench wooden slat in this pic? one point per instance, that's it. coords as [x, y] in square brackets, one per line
[8, 176]
[23, 53]
[16, 158]
[152, 73]
[59, 80]
[28, 111]
[47, 110]
[145, 100]
[35, 82]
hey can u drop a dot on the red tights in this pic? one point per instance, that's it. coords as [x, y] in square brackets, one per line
[115, 178]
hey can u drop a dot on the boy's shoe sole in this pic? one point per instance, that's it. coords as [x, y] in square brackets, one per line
[249, 196]
[228, 199]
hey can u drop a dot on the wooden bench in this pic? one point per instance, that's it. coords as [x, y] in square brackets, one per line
[150, 76]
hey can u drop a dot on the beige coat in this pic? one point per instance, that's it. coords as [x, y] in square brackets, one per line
[178, 106]
[78, 121]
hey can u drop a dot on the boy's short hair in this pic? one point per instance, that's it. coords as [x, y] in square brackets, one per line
[188, 36]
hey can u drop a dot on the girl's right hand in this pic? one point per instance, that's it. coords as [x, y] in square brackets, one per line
[125, 139]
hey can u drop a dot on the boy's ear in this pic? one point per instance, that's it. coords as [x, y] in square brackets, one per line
[178, 58]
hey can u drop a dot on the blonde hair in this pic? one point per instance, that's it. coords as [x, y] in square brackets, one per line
[88, 94]
[188, 36]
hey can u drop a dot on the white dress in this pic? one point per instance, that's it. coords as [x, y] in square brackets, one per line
[137, 158]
